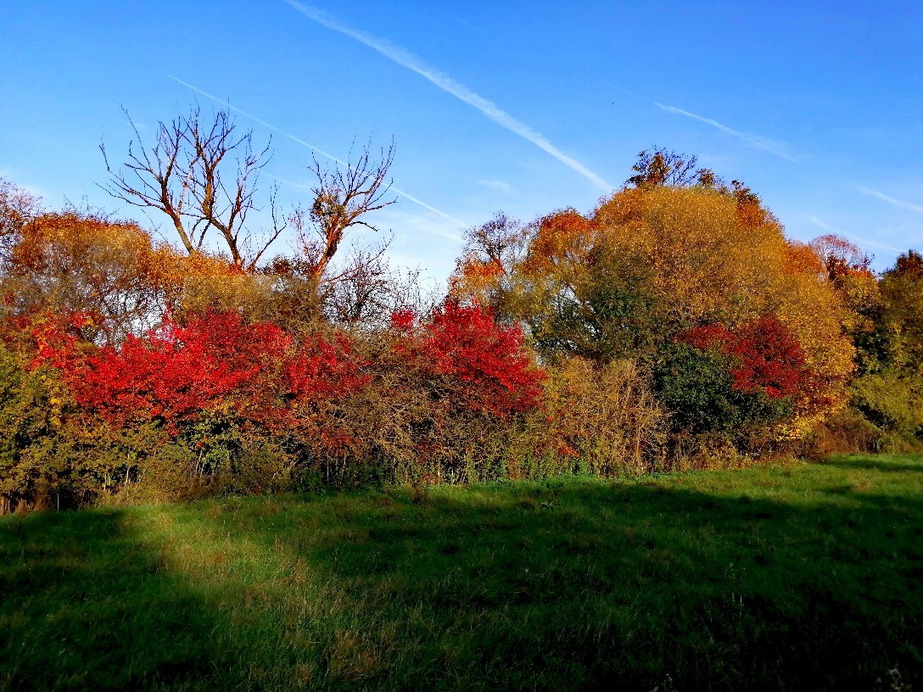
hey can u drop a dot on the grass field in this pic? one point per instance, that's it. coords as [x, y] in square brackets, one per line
[793, 576]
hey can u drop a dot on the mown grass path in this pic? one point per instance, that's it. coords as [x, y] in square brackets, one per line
[793, 576]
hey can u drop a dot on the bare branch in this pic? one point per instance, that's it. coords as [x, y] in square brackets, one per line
[342, 198]
[278, 226]
[183, 176]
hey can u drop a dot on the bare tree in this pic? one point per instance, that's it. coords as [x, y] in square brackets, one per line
[203, 175]
[187, 175]
[501, 240]
[358, 288]
[343, 196]
[360, 291]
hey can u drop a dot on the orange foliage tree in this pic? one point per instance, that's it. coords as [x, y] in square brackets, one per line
[664, 256]
[114, 272]
[87, 264]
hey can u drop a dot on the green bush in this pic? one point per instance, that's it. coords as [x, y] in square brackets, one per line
[697, 387]
[894, 404]
[221, 461]
[34, 448]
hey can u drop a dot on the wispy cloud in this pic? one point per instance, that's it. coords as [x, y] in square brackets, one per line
[830, 229]
[499, 185]
[412, 226]
[890, 200]
[488, 108]
[34, 190]
[323, 153]
[756, 141]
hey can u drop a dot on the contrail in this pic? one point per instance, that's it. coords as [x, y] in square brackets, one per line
[890, 200]
[416, 64]
[310, 146]
[753, 140]
[830, 229]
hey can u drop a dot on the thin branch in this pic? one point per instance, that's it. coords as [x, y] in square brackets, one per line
[343, 197]
[182, 175]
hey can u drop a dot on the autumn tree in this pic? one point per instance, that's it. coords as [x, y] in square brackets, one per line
[722, 258]
[76, 263]
[664, 256]
[484, 270]
[214, 380]
[17, 208]
[121, 278]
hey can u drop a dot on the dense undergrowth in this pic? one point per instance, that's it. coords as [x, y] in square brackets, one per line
[672, 327]
[798, 575]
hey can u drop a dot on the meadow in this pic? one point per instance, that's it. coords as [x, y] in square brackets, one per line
[792, 575]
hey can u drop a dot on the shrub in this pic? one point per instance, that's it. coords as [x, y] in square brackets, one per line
[481, 365]
[28, 435]
[846, 431]
[224, 390]
[734, 381]
[46, 457]
[445, 393]
[601, 420]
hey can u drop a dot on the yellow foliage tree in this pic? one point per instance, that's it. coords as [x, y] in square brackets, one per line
[656, 260]
[84, 263]
[722, 258]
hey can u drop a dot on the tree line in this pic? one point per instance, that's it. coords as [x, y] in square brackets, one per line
[673, 326]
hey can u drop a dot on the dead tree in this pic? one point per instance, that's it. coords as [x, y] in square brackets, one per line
[203, 175]
[355, 289]
[343, 197]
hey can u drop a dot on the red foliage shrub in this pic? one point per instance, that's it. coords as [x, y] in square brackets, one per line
[766, 356]
[444, 390]
[403, 321]
[323, 370]
[214, 362]
[484, 365]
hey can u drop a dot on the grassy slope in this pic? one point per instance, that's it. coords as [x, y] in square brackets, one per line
[788, 577]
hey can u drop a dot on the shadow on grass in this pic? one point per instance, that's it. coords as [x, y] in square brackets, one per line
[564, 585]
[903, 464]
[88, 604]
[591, 586]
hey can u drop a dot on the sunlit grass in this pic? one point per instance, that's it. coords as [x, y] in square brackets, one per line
[792, 576]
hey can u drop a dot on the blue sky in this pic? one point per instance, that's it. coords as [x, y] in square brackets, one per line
[521, 106]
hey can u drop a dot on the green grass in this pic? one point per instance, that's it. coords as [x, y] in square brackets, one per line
[793, 576]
